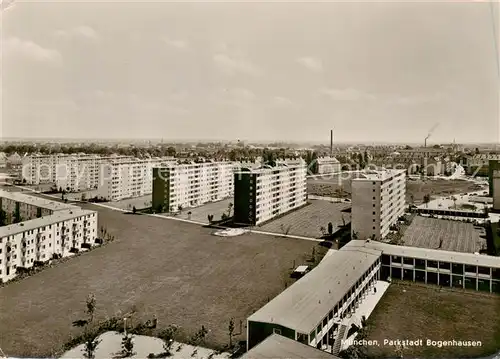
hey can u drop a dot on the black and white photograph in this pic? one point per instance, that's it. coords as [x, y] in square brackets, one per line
[250, 179]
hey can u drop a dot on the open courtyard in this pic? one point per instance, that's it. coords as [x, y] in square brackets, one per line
[414, 311]
[454, 236]
[416, 189]
[177, 271]
[309, 220]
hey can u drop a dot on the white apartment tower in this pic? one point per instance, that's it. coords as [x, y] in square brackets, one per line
[189, 185]
[264, 193]
[123, 178]
[378, 200]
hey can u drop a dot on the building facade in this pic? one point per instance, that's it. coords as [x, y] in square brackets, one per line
[318, 311]
[25, 244]
[326, 165]
[20, 207]
[378, 200]
[432, 166]
[444, 268]
[179, 186]
[495, 189]
[264, 193]
[123, 178]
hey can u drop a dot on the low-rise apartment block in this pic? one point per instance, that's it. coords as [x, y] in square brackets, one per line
[180, 186]
[326, 165]
[378, 200]
[262, 194]
[59, 231]
[20, 207]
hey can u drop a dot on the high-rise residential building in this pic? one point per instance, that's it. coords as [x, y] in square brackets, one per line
[378, 200]
[493, 165]
[188, 185]
[123, 178]
[78, 172]
[113, 177]
[261, 194]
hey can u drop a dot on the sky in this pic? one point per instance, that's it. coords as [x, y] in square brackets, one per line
[270, 71]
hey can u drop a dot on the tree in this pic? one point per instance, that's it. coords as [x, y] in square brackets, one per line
[189, 214]
[199, 337]
[168, 337]
[179, 207]
[134, 210]
[127, 345]
[322, 230]
[230, 329]
[427, 199]
[355, 235]
[285, 229]
[330, 228]
[90, 345]
[90, 303]
[229, 209]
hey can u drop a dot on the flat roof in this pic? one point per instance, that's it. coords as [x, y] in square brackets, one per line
[266, 169]
[429, 254]
[305, 303]
[279, 347]
[43, 221]
[378, 175]
[35, 201]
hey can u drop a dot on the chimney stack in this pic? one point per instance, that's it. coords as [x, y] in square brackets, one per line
[331, 143]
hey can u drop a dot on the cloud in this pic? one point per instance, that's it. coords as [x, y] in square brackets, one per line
[234, 96]
[232, 65]
[179, 95]
[78, 32]
[311, 63]
[178, 44]
[417, 99]
[5, 4]
[347, 94]
[30, 50]
[137, 103]
[350, 94]
[281, 101]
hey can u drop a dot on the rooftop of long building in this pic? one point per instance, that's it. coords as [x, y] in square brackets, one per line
[56, 217]
[35, 201]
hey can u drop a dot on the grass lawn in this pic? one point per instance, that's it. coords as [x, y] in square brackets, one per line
[416, 188]
[177, 271]
[415, 311]
[308, 220]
